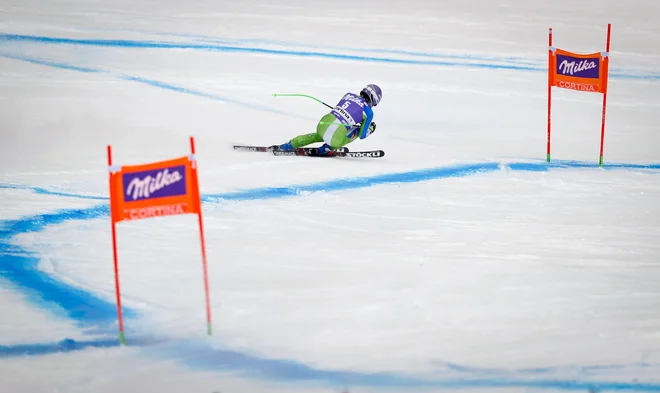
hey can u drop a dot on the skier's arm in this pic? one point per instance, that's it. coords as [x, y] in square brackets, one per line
[366, 122]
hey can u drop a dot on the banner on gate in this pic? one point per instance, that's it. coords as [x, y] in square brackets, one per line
[575, 71]
[158, 189]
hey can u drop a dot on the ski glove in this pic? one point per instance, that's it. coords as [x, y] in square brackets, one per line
[372, 128]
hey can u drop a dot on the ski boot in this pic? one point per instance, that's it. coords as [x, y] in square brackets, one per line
[283, 147]
[325, 150]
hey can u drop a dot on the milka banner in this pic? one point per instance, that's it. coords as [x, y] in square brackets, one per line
[581, 72]
[157, 189]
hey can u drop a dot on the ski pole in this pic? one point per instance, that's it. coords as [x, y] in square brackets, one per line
[302, 95]
[317, 100]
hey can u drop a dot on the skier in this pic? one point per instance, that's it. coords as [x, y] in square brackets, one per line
[350, 119]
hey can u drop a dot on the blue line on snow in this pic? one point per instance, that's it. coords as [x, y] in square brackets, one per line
[539, 62]
[66, 345]
[293, 44]
[562, 164]
[70, 345]
[417, 175]
[150, 82]
[544, 370]
[19, 266]
[290, 44]
[179, 89]
[355, 183]
[227, 48]
[314, 54]
[51, 63]
[43, 191]
[207, 358]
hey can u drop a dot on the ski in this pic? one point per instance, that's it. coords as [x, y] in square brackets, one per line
[265, 149]
[252, 148]
[337, 153]
[312, 152]
[364, 154]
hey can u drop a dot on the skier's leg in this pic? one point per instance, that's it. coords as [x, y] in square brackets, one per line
[299, 141]
[314, 137]
[305, 139]
[332, 132]
[338, 139]
[335, 139]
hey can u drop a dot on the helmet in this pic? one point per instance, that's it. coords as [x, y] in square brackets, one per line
[372, 93]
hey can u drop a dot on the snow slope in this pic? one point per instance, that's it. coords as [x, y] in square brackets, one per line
[459, 261]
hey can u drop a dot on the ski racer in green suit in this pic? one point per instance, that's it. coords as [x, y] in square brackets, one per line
[350, 119]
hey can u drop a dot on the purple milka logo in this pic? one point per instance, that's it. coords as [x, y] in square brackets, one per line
[157, 183]
[577, 67]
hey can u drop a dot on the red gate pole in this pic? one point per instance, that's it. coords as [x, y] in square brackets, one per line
[607, 70]
[201, 237]
[549, 88]
[120, 319]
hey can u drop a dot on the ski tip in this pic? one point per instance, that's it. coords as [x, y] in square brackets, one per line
[251, 148]
[365, 154]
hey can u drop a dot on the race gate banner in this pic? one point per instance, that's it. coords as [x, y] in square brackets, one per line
[579, 72]
[157, 189]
